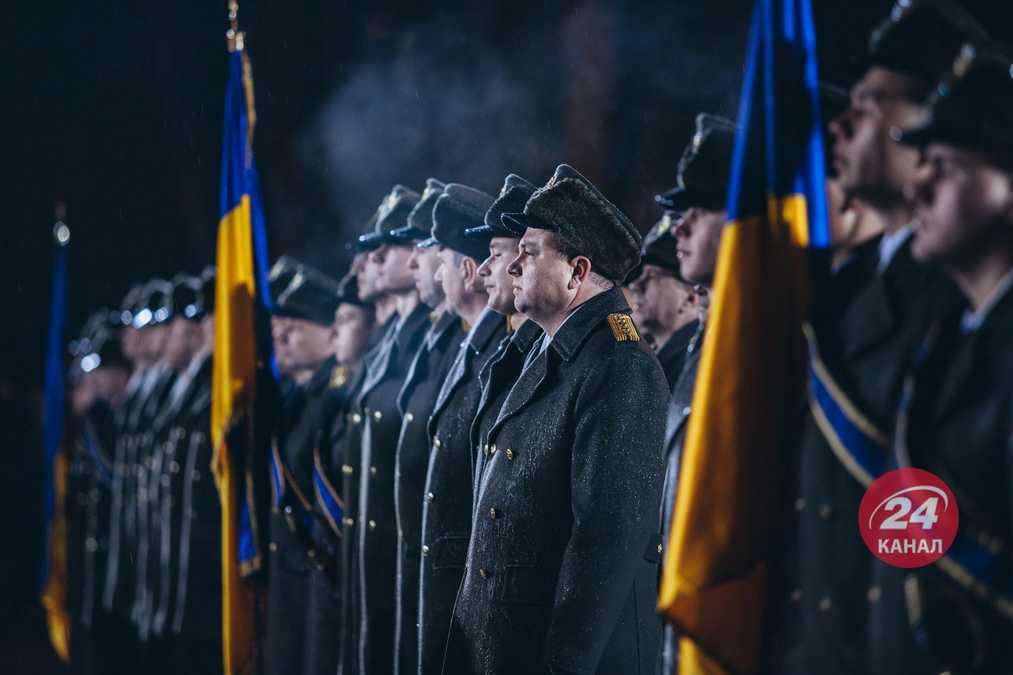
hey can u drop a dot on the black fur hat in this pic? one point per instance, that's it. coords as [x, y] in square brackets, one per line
[572, 207]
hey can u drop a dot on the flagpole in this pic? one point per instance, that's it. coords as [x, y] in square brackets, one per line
[53, 575]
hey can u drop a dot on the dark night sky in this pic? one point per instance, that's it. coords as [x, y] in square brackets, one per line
[116, 108]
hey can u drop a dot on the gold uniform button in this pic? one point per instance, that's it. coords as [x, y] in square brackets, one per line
[425, 549]
[372, 525]
[825, 604]
[348, 522]
[372, 471]
[409, 417]
[430, 497]
[437, 443]
[826, 511]
[356, 418]
[377, 415]
[483, 572]
[273, 547]
[311, 553]
[347, 469]
[492, 449]
[510, 454]
[659, 548]
[288, 510]
[799, 504]
[493, 513]
[873, 594]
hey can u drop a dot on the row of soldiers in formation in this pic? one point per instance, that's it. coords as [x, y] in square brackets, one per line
[475, 464]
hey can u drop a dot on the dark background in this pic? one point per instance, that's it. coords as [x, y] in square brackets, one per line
[116, 109]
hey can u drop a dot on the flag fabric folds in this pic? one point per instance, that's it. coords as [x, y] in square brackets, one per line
[53, 575]
[753, 360]
[240, 297]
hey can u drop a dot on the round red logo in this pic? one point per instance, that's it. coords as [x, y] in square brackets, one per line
[908, 518]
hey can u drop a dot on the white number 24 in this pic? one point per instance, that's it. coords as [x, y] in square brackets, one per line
[901, 506]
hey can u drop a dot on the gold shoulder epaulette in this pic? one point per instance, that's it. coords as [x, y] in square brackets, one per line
[338, 377]
[623, 328]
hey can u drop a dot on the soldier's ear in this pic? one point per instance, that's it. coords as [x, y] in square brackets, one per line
[470, 268]
[581, 269]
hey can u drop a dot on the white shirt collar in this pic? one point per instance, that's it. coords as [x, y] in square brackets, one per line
[890, 244]
[972, 321]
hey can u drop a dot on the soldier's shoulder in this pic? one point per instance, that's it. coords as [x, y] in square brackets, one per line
[617, 332]
[617, 347]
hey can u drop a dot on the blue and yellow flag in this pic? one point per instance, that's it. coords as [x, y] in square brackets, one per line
[53, 576]
[752, 364]
[240, 295]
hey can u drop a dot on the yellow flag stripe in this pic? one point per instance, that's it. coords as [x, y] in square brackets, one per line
[232, 390]
[54, 595]
[714, 573]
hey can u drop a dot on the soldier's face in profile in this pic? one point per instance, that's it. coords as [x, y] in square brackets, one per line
[453, 277]
[542, 276]
[182, 342]
[153, 340]
[424, 264]
[280, 329]
[869, 164]
[698, 234]
[309, 343]
[130, 343]
[358, 263]
[365, 277]
[351, 333]
[392, 272]
[659, 299]
[963, 206]
[493, 274]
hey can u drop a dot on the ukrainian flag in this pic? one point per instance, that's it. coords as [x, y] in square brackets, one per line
[753, 360]
[240, 296]
[53, 576]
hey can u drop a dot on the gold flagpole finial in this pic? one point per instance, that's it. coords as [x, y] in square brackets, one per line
[233, 35]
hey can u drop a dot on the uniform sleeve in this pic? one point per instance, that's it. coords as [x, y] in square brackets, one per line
[616, 480]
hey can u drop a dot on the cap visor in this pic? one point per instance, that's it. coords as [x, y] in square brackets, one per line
[683, 199]
[407, 234]
[481, 232]
[369, 242]
[517, 223]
